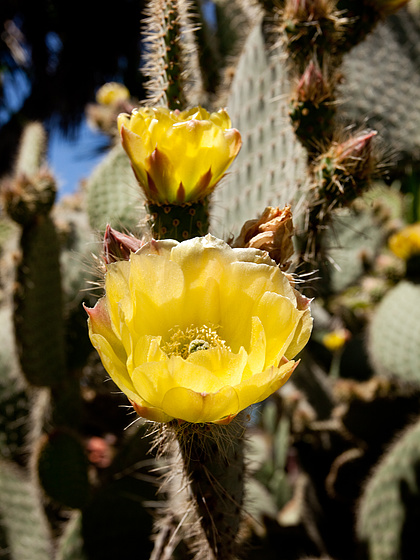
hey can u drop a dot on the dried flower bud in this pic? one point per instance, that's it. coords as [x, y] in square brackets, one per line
[272, 232]
[118, 246]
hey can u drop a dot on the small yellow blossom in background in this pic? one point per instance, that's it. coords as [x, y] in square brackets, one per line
[176, 156]
[335, 340]
[406, 243]
[112, 93]
[198, 331]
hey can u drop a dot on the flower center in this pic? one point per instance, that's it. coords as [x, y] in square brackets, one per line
[192, 339]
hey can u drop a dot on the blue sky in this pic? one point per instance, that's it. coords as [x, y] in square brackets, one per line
[73, 159]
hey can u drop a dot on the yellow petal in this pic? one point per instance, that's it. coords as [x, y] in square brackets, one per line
[156, 288]
[244, 284]
[257, 349]
[279, 318]
[188, 405]
[114, 366]
[263, 384]
[137, 150]
[301, 335]
[150, 412]
[221, 118]
[163, 181]
[225, 365]
[152, 380]
[99, 322]
[147, 349]
[117, 294]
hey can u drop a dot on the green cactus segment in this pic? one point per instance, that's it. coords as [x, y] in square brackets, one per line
[112, 193]
[62, 469]
[170, 63]
[70, 544]
[32, 188]
[213, 458]
[173, 56]
[32, 150]
[313, 121]
[38, 306]
[14, 414]
[15, 403]
[30, 196]
[271, 166]
[310, 27]
[179, 222]
[395, 333]
[22, 516]
[382, 512]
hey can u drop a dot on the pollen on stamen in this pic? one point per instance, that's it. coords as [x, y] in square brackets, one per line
[192, 339]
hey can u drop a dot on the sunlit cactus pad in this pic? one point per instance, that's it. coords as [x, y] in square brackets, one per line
[382, 83]
[271, 163]
[113, 195]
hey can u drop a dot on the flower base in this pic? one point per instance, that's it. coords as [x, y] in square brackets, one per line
[179, 221]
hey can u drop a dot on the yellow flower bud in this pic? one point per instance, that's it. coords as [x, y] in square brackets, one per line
[406, 243]
[176, 156]
[112, 93]
[196, 330]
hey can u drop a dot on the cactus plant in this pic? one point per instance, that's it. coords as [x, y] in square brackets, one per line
[325, 436]
[385, 508]
[394, 351]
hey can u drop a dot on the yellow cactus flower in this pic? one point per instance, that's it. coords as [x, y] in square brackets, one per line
[406, 243]
[112, 93]
[198, 331]
[178, 156]
[335, 340]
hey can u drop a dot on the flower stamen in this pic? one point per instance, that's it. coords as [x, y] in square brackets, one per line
[192, 339]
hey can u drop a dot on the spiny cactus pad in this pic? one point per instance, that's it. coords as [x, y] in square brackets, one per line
[271, 164]
[22, 516]
[113, 195]
[395, 333]
[38, 300]
[383, 513]
[382, 84]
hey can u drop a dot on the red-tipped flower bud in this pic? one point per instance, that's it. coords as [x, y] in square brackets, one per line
[118, 246]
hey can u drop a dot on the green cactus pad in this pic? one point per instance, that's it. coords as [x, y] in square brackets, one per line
[38, 305]
[112, 193]
[70, 544]
[382, 511]
[271, 166]
[62, 469]
[381, 89]
[394, 333]
[22, 516]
